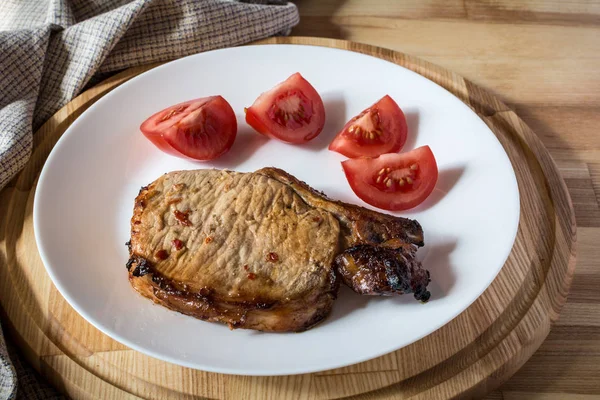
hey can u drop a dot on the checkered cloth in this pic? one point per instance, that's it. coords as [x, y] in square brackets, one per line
[51, 49]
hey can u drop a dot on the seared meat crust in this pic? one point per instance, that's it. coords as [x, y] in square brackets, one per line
[383, 271]
[380, 249]
[256, 250]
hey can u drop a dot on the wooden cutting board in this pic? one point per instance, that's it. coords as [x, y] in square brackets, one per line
[468, 357]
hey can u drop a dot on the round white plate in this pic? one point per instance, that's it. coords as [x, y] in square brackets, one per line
[84, 201]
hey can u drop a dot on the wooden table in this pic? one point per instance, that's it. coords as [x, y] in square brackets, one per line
[542, 57]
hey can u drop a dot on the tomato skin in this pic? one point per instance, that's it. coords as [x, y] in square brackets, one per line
[381, 129]
[412, 177]
[200, 129]
[296, 100]
[162, 145]
[253, 120]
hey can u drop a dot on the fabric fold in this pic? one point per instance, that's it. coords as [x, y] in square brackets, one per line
[76, 52]
[21, 75]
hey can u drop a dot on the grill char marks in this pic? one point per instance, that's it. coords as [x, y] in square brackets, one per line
[383, 271]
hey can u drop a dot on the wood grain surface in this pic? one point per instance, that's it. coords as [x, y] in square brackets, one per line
[468, 357]
[542, 59]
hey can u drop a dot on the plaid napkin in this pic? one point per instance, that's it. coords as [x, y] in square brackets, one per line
[51, 49]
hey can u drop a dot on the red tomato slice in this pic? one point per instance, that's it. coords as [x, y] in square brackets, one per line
[200, 129]
[292, 111]
[393, 181]
[377, 130]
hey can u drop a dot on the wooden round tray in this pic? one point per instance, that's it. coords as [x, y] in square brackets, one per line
[468, 357]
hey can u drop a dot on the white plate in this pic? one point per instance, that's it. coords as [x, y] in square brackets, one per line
[84, 202]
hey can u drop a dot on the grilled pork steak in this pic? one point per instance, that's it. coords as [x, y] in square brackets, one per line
[260, 250]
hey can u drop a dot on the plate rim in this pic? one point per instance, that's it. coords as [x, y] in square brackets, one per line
[231, 371]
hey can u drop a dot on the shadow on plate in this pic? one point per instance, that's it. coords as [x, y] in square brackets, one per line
[246, 143]
[412, 122]
[346, 303]
[447, 179]
[335, 119]
[437, 261]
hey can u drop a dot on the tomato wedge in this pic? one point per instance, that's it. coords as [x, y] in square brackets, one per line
[377, 130]
[200, 129]
[393, 181]
[292, 111]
